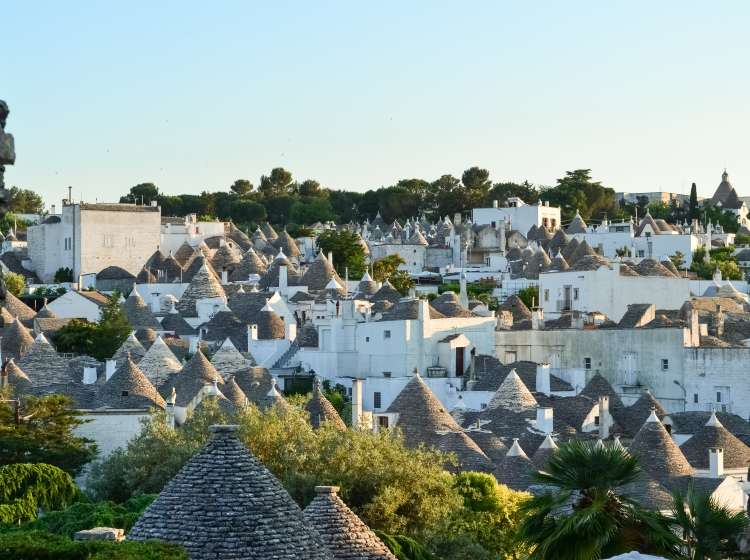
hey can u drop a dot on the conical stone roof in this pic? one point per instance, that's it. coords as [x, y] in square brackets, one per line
[632, 417]
[542, 455]
[423, 420]
[159, 362]
[129, 388]
[286, 243]
[249, 264]
[449, 305]
[343, 533]
[224, 504]
[204, 285]
[657, 452]
[131, 347]
[188, 382]
[558, 264]
[228, 360]
[512, 395]
[367, 286]
[184, 253]
[569, 249]
[516, 469]
[517, 307]
[577, 225]
[196, 265]
[387, 293]
[17, 378]
[17, 340]
[138, 313]
[176, 323]
[321, 410]
[270, 325]
[558, 241]
[319, 273]
[17, 308]
[234, 393]
[581, 251]
[43, 365]
[713, 434]
[45, 313]
[271, 277]
[268, 231]
[225, 258]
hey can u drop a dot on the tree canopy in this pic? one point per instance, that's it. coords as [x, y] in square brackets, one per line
[348, 253]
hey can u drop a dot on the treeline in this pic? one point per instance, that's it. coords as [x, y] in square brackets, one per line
[282, 200]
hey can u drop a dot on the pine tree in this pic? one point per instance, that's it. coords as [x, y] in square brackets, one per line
[694, 212]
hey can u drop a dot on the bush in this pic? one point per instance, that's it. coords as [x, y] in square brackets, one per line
[63, 274]
[530, 296]
[38, 545]
[15, 283]
[405, 548]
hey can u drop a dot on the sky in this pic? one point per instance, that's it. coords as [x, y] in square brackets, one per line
[193, 95]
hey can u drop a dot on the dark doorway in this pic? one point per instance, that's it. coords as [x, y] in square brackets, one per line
[460, 362]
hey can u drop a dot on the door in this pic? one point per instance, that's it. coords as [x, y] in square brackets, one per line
[459, 362]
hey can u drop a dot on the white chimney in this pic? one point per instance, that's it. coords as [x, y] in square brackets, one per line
[357, 403]
[109, 368]
[193, 344]
[170, 409]
[252, 333]
[543, 384]
[605, 420]
[716, 462]
[544, 420]
[495, 203]
[537, 318]
[283, 278]
[330, 257]
[224, 276]
[89, 375]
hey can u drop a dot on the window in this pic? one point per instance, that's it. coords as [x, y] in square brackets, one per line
[596, 420]
[124, 393]
[494, 225]
[387, 374]
[546, 295]
[587, 363]
[383, 421]
[483, 406]
[386, 334]
[376, 399]
[695, 398]
[367, 339]
[718, 396]
[575, 293]
[510, 356]
[664, 364]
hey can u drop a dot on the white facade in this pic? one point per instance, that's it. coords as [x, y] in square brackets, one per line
[415, 256]
[176, 232]
[73, 305]
[88, 238]
[607, 291]
[520, 215]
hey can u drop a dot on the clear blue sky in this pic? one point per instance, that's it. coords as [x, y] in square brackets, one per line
[192, 95]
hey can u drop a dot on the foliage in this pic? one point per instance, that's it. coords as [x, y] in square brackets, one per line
[584, 514]
[241, 187]
[101, 339]
[311, 210]
[278, 182]
[578, 192]
[716, 215]
[25, 201]
[678, 259]
[11, 221]
[742, 239]
[721, 258]
[45, 434]
[383, 268]
[86, 514]
[143, 193]
[15, 283]
[708, 530]
[337, 397]
[693, 211]
[25, 488]
[63, 274]
[530, 296]
[393, 488]
[47, 292]
[346, 249]
[623, 252]
[405, 548]
[38, 545]
[401, 281]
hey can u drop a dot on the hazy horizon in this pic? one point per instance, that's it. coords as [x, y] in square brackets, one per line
[191, 96]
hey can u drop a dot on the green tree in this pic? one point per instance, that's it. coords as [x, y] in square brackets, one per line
[45, 434]
[578, 191]
[709, 530]
[278, 183]
[241, 187]
[446, 196]
[347, 251]
[63, 274]
[530, 296]
[476, 182]
[15, 283]
[401, 281]
[694, 211]
[678, 259]
[247, 212]
[311, 210]
[584, 514]
[525, 191]
[384, 267]
[309, 188]
[25, 488]
[25, 201]
[142, 192]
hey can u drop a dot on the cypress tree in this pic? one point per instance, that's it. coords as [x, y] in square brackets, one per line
[694, 213]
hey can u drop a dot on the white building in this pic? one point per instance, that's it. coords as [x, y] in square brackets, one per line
[519, 215]
[176, 231]
[87, 238]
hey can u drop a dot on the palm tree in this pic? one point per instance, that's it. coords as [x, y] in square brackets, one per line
[581, 513]
[708, 530]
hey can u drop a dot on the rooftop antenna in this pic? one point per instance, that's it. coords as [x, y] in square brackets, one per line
[70, 194]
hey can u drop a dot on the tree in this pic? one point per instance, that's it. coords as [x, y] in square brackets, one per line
[708, 530]
[99, 340]
[142, 192]
[401, 281]
[678, 259]
[530, 296]
[577, 191]
[694, 211]
[476, 182]
[247, 212]
[383, 268]
[25, 201]
[309, 188]
[584, 514]
[525, 191]
[45, 434]
[278, 208]
[310, 211]
[241, 187]
[25, 488]
[278, 183]
[15, 283]
[63, 274]
[347, 251]
[446, 197]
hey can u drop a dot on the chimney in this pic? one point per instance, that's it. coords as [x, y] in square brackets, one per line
[89, 375]
[719, 321]
[252, 333]
[495, 203]
[224, 276]
[605, 421]
[543, 379]
[716, 462]
[537, 318]
[109, 368]
[330, 257]
[170, 409]
[457, 218]
[544, 419]
[70, 194]
[283, 279]
[423, 310]
[357, 403]
[53, 208]
[193, 345]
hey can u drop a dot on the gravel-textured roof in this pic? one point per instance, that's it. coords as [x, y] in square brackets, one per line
[631, 418]
[286, 243]
[342, 532]
[516, 469]
[203, 285]
[44, 365]
[714, 434]
[114, 273]
[131, 347]
[19, 309]
[129, 388]
[387, 292]
[577, 225]
[255, 382]
[184, 253]
[250, 263]
[224, 504]
[228, 360]
[449, 305]
[423, 420]
[270, 325]
[159, 362]
[17, 378]
[657, 452]
[321, 410]
[225, 258]
[138, 312]
[175, 322]
[513, 395]
[190, 380]
[319, 273]
[16, 340]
